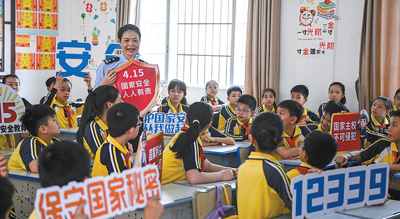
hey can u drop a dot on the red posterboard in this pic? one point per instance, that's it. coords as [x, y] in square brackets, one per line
[138, 84]
[344, 128]
[154, 150]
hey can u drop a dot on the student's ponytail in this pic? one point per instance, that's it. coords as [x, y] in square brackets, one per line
[198, 116]
[267, 131]
[95, 105]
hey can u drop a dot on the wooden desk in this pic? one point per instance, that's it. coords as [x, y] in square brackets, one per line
[7, 152]
[68, 134]
[225, 155]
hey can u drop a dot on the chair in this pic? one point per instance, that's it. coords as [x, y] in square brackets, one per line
[205, 201]
[243, 153]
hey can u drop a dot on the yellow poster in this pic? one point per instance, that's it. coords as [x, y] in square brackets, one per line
[45, 61]
[46, 44]
[24, 61]
[26, 20]
[48, 21]
[27, 5]
[48, 5]
[22, 40]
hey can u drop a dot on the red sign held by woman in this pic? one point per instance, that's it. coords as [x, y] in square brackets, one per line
[138, 84]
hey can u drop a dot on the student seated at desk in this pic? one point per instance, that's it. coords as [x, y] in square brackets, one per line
[43, 127]
[290, 112]
[229, 110]
[239, 127]
[330, 108]
[211, 96]
[377, 125]
[337, 92]
[113, 155]
[183, 157]
[268, 101]
[299, 93]
[212, 137]
[318, 151]
[66, 113]
[176, 102]
[383, 150]
[93, 129]
[263, 189]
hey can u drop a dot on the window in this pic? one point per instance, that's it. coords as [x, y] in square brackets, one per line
[195, 40]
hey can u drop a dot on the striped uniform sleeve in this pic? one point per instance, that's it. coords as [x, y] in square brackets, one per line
[373, 150]
[373, 135]
[203, 99]
[185, 108]
[79, 108]
[279, 182]
[93, 137]
[220, 101]
[259, 110]
[50, 98]
[192, 158]
[313, 117]
[112, 158]
[30, 150]
[215, 133]
[230, 130]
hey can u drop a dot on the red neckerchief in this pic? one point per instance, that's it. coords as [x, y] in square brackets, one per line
[127, 161]
[247, 128]
[68, 113]
[213, 102]
[9, 140]
[292, 141]
[303, 118]
[302, 170]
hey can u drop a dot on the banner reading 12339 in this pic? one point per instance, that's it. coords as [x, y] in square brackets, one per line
[11, 109]
[106, 197]
[335, 190]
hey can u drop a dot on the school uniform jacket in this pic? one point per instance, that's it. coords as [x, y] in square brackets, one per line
[94, 135]
[300, 170]
[111, 157]
[291, 141]
[225, 113]
[168, 108]
[213, 101]
[263, 189]
[262, 108]
[213, 132]
[309, 116]
[27, 151]
[382, 151]
[395, 108]
[67, 115]
[235, 129]
[375, 130]
[174, 169]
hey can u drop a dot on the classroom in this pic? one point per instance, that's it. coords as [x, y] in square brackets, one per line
[250, 86]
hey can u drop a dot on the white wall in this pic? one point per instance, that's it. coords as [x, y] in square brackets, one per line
[316, 75]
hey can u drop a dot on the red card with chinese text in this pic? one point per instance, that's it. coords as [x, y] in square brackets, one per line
[154, 150]
[138, 84]
[345, 129]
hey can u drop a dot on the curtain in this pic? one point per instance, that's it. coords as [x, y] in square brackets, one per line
[127, 12]
[262, 47]
[380, 52]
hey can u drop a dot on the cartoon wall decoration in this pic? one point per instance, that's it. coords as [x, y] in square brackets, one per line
[97, 28]
[316, 28]
[306, 16]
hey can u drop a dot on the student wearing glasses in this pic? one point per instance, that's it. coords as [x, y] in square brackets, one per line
[239, 127]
